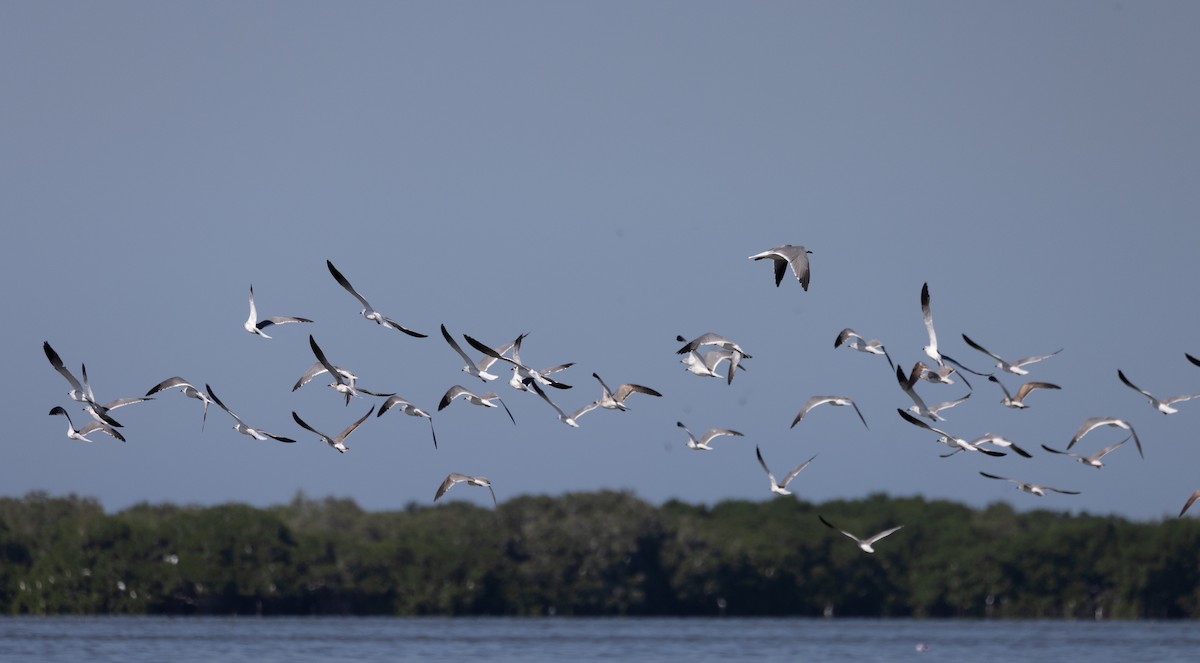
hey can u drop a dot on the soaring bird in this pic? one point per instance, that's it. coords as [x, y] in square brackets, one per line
[782, 257]
[409, 409]
[1031, 488]
[187, 389]
[780, 487]
[455, 477]
[701, 444]
[1015, 366]
[241, 426]
[1161, 404]
[1092, 460]
[256, 326]
[338, 442]
[832, 400]
[867, 545]
[82, 433]
[369, 311]
[484, 400]
[1096, 422]
[1018, 401]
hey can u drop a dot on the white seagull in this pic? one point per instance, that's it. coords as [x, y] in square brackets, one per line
[997, 440]
[241, 426]
[780, 487]
[187, 389]
[477, 368]
[707, 365]
[369, 311]
[615, 400]
[956, 443]
[256, 326]
[1031, 488]
[702, 443]
[343, 381]
[1096, 422]
[568, 419]
[931, 350]
[709, 338]
[409, 409]
[99, 411]
[1092, 460]
[455, 477]
[1009, 366]
[338, 442]
[865, 544]
[919, 407]
[832, 400]
[1161, 404]
[481, 399]
[1018, 402]
[317, 369]
[854, 341]
[522, 373]
[77, 393]
[782, 257]
[82, 433]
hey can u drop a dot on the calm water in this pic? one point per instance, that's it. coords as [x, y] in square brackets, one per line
[360, 640]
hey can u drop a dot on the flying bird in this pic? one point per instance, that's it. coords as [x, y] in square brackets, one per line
[369, 311]
[919, 407]
[256, 326]
[780, 487]
[854, 341]
[1161, 404]
[344, 382]
[1018, 402]
[482, 399]
[997, 440]
[615, 400]
[832, 400]
[784, 256]
[707, 365]
[187, 389]
[477, 368]
[568, 419]
[241, 426]
[522, 373]
[407, 408]
[702, 443]
[82, 433]
[867, 545]
[100, 411]
[709, 338]
[1031, 488]
[1092, 460]
[1095, 422]
[77, 393]
[338, 442]
[455, 477]
[1003, 364]
[956, 443]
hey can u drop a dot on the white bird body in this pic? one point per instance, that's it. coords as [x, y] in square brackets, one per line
[82, 433]
[369, 312]
[337, 442]
[187, 389]
[241, 426]
[1018, 401]
[1096, 422]
[784, 256]
[256, 326]
[1014, 367]
[1163, 405]
[832, 400]
[701, 444]
[408, 408]
[780, 487]
[484, 400]
[455, 478]
[1092, 460]
[477, 368]
[615, 400]
[867, 545]
[954, 442]
[1031, 488]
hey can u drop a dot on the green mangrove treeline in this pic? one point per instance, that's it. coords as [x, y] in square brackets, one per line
[605, 553]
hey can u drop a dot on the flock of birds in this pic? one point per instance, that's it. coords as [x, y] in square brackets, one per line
[709, 355]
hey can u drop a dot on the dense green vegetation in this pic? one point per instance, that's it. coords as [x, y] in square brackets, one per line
[604, 553]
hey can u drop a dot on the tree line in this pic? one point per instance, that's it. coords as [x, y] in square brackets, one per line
[599, 553]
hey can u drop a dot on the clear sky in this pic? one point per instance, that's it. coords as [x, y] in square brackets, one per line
[596, 174]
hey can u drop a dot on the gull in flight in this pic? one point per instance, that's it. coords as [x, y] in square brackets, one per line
[956, 443]
[187, 389]
[343, 381]
[1096, 422]
[522, 374]
[1005, 365]
[780, 487]
[707, 365]
[1018, 402]
[369, 311]
[339, 441]
[82, 433]
[1161, 404]
[997, 440]
[241, 426]
[99, 411]
[832, 400]
[865, 544]
[709, 338]
[615, 400]
[1031, 488]
[256, 326]
[568, 419]
[931, 350]
[317, 369]
[79, 392]
[1092, 460]
[482, 399]
[407, 408]
[702, 443]
[782, 257]
[1195, 496]
[455, 477]
[939, 375]
[477, 368]
[919, 407]
[854, 341]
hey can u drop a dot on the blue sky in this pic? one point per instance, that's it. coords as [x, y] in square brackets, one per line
[596, 174]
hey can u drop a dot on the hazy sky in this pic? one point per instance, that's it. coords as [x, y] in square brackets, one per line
[596, 174]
